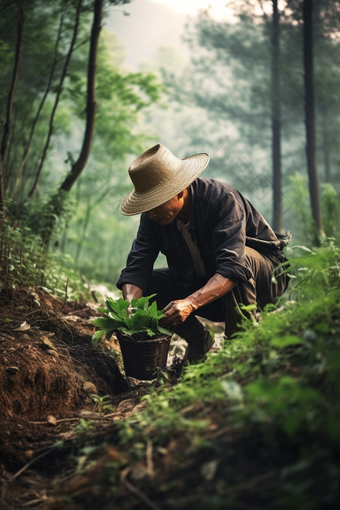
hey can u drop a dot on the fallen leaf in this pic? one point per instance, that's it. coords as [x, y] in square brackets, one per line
[23, 327]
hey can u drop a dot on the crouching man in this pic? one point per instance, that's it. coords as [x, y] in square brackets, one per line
[220, 251]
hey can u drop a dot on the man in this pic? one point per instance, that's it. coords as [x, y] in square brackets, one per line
[220, 251]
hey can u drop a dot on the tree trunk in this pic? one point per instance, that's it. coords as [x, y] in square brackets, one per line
[276, 121]
[56, 101]
[7, 127]
[310, 118]
[57, 202]
[91, 106]
[47, 90]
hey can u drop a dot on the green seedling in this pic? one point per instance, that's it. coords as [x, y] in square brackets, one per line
[102, 403]
[83, 427]
[141, 324]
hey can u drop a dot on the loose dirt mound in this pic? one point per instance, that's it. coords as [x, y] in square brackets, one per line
[45, 360]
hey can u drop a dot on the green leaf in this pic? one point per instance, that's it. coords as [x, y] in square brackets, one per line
[96, 337]
[165, 331]
[285, 341]
[118, 307]
[107, 323]
[153, 310]
[248, 308]
[140, 320]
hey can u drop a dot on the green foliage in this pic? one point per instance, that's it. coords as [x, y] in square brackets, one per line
[84, 426]
[330, 204]
[299, 198]
[25, 263]
[102, 402]
[277, 382]
[141, 324]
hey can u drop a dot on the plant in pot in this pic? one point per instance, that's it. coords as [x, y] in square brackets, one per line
[143, 342]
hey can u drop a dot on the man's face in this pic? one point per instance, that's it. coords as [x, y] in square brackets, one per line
[165, 213]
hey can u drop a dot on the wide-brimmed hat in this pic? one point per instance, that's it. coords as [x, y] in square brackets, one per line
[158, 176]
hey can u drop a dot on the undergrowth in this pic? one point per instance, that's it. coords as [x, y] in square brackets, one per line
[278, 380]
[25, 262]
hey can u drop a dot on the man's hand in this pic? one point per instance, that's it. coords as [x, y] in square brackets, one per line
[177, 312]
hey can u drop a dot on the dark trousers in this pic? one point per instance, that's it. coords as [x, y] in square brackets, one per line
[260, 290]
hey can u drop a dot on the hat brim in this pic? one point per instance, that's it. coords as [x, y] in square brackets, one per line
[191, 168]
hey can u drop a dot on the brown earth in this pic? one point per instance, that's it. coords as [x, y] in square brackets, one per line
[45, 359]
[48, 369]
[50, 424]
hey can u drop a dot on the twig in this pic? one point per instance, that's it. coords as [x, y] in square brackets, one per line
[74, 419]
[136, 491]
[34, 501]
[149, 460]
[58, 421]
[31, 462]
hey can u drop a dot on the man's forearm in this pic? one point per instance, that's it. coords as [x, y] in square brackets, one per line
[178, 311]
[215, 288]
[131, 291]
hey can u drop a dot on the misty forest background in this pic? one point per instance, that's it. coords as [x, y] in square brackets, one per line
[72, 120]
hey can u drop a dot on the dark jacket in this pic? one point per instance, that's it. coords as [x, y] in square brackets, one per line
[222, 222]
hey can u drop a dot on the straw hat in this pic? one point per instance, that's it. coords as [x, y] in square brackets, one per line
[158, 176]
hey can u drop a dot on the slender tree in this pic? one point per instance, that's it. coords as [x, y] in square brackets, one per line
[7, 127]
[310, 116]
[43, 99]
[276, 120]
[56, 204]
[57, 98]
[91, 104]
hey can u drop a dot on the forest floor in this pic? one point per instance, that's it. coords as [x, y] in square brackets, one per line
[49, 372]
[255, 426]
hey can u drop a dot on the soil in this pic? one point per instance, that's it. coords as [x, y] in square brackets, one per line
[48, 370]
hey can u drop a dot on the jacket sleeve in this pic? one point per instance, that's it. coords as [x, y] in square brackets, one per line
[142, 256]
[229, 239]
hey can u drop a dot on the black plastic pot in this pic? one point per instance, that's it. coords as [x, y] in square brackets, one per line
[142, 358]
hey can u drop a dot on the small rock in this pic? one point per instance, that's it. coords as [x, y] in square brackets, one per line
[309, 335]
[89, 388]
[25, 337]
[51, 420]
[29, 454]
[12, 370]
